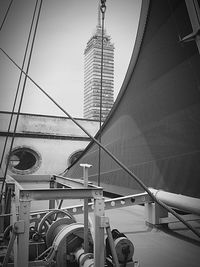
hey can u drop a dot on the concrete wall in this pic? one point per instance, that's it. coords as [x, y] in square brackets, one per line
[53, 139]
[60, 126]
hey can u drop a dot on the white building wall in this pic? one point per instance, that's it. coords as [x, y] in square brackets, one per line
[54, 139]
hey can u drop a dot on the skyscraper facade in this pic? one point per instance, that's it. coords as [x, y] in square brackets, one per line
[92, 74]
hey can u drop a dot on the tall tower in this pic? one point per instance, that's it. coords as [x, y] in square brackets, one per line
[92, 74]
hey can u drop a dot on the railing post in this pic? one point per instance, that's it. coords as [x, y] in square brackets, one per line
[85, 175]
[52, 185]
[23, 237]
[99, 258]
[14, 211]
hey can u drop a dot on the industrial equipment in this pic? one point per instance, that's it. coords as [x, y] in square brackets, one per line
[53, 237]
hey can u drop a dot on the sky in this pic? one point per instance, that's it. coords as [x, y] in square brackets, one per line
[57, 63]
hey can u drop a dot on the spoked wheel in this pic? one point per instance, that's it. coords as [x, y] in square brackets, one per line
[33, 234]
[50, 218]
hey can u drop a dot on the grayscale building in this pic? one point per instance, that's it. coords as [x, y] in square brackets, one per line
[92, 74]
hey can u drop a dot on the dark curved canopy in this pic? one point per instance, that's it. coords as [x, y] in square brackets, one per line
[154, 126]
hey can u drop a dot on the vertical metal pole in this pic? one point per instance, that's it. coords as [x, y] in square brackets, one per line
[9, 191]
[23, 238]
[14, 211]
[52, 185]
[85, 175]
[99, 259]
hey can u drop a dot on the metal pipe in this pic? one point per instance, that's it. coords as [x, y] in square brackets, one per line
[178, 201]
[194, 15]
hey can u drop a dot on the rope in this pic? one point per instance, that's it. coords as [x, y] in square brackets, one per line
[109, 153]
[22, 95]
[103, 9]
[6, 15]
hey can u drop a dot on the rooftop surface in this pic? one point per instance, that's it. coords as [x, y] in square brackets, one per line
[174, 246]
[171, 245]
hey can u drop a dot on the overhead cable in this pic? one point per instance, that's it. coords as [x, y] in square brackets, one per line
[138, 180]
[103, 9]
[22, 95]
[6, 15]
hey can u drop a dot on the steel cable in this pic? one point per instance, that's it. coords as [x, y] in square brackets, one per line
[18, 86]
[22, 95]
[110, 154]
[6, 15]
[103, 10]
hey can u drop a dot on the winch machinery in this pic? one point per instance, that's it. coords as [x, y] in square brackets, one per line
[54, 237]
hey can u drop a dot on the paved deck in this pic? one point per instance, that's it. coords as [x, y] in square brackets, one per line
[174, 247]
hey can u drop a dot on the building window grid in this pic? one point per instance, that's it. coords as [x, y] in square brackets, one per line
[92, 56]
[92, 78]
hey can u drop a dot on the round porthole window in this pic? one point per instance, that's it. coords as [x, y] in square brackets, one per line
[24, 160]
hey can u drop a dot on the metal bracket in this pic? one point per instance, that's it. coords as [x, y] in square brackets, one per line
[191, 37]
